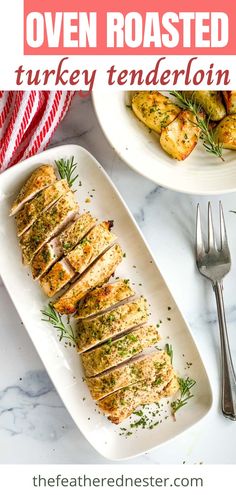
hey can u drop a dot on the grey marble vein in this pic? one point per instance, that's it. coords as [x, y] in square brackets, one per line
[33, 408]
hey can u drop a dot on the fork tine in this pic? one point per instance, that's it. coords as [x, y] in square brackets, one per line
[199, 239]
[211, 235]
[223, 235]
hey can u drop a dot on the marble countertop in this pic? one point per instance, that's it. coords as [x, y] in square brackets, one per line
[34, 425]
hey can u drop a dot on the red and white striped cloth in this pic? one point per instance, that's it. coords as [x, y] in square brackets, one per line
[27, 121]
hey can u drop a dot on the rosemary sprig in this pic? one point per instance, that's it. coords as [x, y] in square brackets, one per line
[53, 317]
[66, 169]
[169, 351]
[209, 143]
[185, 386]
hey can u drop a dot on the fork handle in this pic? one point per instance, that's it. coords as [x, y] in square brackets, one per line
[228, 373]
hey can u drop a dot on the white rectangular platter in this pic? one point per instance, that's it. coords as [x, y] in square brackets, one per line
[63, 364]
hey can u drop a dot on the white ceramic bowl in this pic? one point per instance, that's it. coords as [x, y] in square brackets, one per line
[200, 173]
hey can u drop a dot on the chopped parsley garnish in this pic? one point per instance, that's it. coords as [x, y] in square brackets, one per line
[85, 240]
[67, 245]
[169, 351]
[148, 419]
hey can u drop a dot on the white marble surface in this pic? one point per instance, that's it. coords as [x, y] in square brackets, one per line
[34, 425]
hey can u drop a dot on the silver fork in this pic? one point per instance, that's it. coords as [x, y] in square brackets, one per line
[214, 264]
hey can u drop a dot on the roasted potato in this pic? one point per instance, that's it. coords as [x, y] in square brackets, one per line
[210, 101]
[225, 132]
[230, 101]
[180, 137]
[154, 109]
